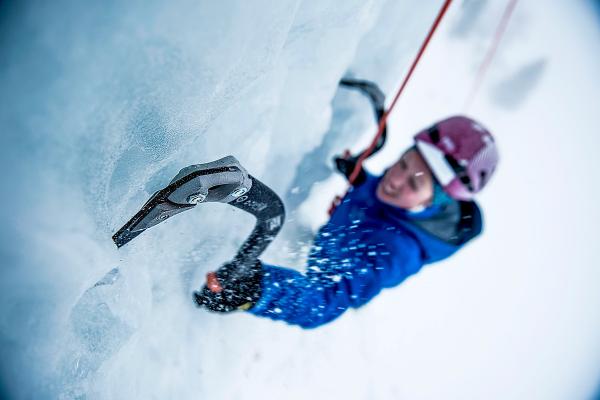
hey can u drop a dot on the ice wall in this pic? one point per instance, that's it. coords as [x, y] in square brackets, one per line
[107, 102]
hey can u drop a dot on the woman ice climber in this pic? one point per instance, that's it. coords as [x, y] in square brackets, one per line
[420, 211]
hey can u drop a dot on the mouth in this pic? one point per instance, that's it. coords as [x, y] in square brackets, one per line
[388, 190]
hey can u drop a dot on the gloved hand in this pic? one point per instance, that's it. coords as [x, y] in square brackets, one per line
[232, 287]
[346, 163]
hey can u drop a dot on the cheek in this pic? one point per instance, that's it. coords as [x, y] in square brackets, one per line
[414, 198]
[411, 199]
[425, 194]
[407, 200]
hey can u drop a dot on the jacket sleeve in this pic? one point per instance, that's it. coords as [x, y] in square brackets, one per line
[320, 295]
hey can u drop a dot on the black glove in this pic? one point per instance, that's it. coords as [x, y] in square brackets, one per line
[345, 165]
[232, 287]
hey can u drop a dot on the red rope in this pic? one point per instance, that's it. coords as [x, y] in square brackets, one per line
[384, 118]
[383, 121]
[491, 52]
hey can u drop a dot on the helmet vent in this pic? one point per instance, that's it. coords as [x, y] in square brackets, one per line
[483, 175]
[466, 180]
[434, 134]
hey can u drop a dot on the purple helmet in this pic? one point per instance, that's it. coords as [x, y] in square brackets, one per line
[461, 153]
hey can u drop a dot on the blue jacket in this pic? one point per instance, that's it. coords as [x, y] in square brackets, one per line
[366, 246]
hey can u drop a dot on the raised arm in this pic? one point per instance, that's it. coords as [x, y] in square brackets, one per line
[324, 293]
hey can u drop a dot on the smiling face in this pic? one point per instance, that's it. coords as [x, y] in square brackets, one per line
[408, 183]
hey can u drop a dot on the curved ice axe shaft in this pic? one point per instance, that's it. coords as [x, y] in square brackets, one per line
[267, 207]
[222, 181]
[377, 98]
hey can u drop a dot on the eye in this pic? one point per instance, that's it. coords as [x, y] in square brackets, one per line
[412, 182]
[403, 164]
